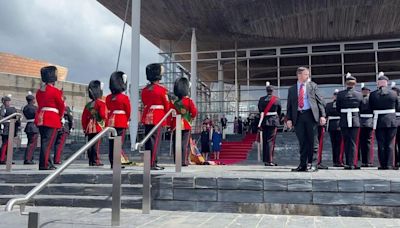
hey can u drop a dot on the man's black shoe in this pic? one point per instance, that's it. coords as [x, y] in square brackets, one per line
[321, 166]
[156, 168]
[300, 169]
[29, 163]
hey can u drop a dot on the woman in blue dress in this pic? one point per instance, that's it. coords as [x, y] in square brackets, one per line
[216, 142]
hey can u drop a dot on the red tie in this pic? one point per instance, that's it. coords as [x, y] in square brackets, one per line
[301, 96]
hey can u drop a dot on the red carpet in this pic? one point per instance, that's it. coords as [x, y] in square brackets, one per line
[235, 152]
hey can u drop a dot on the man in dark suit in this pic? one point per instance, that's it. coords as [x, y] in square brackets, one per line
[270, 108]
[305, 110]
[348, 103]
[384, 102]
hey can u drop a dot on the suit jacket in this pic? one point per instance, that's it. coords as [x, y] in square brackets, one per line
[315, 99]
[331, 111]
[349, 98]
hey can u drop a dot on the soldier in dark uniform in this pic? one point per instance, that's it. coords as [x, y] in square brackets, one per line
[334, 130]
[366, 134]
[32, 132]
[397, 148]
[5, 126]
[270, 108]
[348, 104]
[383, 102]
[63, 132]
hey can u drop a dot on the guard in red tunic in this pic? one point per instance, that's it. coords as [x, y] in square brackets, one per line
[32, 132]
[119, 109]
[94, 118]
[50, 112]
[156, 105]
[185, 107]
[270, 108]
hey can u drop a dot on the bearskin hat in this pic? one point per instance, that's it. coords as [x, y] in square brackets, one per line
[95, 89]
[49, 74]
[154, 72]
[118, 82]
[29, 97]
[181, 87]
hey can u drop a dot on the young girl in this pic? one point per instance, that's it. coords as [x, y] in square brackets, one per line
[205, 142]
[216, 142]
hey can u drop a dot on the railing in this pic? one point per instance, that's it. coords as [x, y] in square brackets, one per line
[116, 189]
[146, 202]
[11, 131]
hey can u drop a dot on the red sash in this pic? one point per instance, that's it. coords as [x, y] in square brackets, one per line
[269, 105]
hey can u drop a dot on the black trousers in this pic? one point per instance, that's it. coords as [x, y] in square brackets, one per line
[397, 148]
[4, 146]
[366, 149]
[386, 140]
[153, 144]
[306, 129]
[59, 145]
[31, 146]
[47, 138]
[269, 134]
[94, 151]
[336, 140]
[120, 132]
[185, 146]
[351, 141]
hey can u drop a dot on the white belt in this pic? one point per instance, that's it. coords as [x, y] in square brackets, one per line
[272, 113]
[349, 112]
[119, 112]
[49, 109]
[366, 115]
[397, 113]
[331, 118]
[157, 107]
[381, 112]
[30, 120]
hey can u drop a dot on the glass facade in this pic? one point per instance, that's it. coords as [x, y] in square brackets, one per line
[230, 82]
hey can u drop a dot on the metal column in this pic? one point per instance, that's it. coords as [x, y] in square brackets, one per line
[10, 146]
[193, 67]
[146, 203]
[135, 71]
[116, 185]
[178, 144]
[236, 83]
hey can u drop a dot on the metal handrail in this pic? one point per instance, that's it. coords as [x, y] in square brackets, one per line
[10, 117]
[154, 129]
[48, 179]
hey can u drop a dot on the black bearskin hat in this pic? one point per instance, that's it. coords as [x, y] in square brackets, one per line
[95, 89]
[29, 97]
[154, 72]
[49, 74]
[181, 87]
[118, 82]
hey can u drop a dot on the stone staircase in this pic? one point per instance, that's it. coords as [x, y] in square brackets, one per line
[84, 189]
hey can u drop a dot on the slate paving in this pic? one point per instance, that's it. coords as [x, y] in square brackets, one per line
[60, 217]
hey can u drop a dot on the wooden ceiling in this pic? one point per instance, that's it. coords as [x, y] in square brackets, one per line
[258, 23]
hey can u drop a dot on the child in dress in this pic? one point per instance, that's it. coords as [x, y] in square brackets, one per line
[216, 142]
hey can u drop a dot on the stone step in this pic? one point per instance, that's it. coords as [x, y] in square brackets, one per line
[71, 189]
[78, 201]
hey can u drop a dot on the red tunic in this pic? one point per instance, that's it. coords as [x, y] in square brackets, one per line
[94, 117]
[156, 104]
[119, 110]
[50, 107]
[188, 110]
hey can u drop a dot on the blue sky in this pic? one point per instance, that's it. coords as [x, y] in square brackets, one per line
[79, 34]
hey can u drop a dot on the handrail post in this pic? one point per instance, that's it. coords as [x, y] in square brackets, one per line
[178, 144]
[261, 146]
[146, 201]
[116, 187]
[10, 146]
